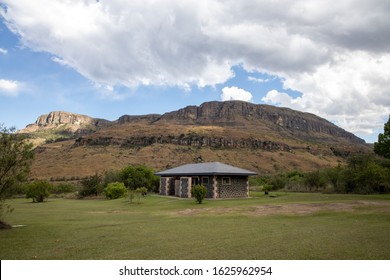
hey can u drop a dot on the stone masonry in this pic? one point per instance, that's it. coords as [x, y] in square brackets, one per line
[217, 187]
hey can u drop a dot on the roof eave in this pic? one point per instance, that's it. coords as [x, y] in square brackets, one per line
[205, 174]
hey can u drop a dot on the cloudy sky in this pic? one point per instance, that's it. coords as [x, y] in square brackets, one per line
[112, 57]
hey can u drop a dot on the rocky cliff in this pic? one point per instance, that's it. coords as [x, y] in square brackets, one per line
[183, 140]
[228, 125]
[59, 118]
[281, 122]
[66, 122]
[239, 113]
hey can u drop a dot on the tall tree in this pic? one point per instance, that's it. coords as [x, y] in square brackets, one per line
[139, 176]
[16, 156]
[382, 147]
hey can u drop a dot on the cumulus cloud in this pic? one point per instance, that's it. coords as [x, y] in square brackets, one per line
[282, 99]
[8, 87]
[352, 91]
[337, 56]
[3, 51]
[235, 93]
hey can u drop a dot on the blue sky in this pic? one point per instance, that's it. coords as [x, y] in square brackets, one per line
[110, 58]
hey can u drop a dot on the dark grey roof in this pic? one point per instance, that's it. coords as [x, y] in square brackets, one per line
[208, 168]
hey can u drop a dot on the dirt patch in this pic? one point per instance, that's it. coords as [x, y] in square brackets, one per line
[300, 209]
[288, 209]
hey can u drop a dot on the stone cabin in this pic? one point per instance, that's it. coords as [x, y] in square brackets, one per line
[221, 180]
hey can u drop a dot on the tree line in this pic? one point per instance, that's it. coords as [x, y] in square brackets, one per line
[363, 174]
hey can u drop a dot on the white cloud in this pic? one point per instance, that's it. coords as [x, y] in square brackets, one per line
[258, 80]
[235, 93]
[8, 87]
[3, 51]
[282, 99]
[337, 56]
[353, 91]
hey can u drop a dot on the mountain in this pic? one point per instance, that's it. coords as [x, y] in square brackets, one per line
[59, 125]
[237, 113]
[261, 138]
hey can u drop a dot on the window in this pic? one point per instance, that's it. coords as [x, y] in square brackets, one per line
[205, 181]
[195, 181]
[225, 180]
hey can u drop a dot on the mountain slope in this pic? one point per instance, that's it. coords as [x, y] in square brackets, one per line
[262, 138]
[59, 125]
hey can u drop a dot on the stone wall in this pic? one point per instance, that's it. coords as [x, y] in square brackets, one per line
[164, 181]
[185, 187]
[209, 186]
[238, 187]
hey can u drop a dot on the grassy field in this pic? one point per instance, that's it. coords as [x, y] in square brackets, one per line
[288, 226]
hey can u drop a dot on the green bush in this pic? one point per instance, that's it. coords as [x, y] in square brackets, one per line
[141, 192]
[91, 185]
[257, 180]
[115, 190]
[199, 192]
[267, 189]
[278, 181]
[315, 181]
[63, 188]
[111, 176]
[138, 193]
[38, 190]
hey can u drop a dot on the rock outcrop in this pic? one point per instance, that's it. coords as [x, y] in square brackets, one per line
[183, 140]
[241, 113]
[60, 121]
[141, 118]
[59, 118]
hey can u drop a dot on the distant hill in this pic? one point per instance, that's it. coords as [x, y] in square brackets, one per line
[261, 138]
[59, 125]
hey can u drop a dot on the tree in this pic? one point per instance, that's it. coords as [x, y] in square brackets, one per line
[382, 147]
[38, 190]
[16, 156]
[135, 177]
[366, 174]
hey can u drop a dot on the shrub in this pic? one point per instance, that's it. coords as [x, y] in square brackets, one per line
[199, 192]
[115, 190]
[91, 185]
[138, 193]
[315, 180]
[111, 177]
[131, 195]
[38, 190]
[278, 181]
[63, 188]
[267, 189]
[257, 180]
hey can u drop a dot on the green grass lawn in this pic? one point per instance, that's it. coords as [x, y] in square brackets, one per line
[288, 226]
